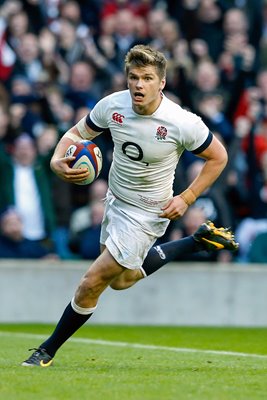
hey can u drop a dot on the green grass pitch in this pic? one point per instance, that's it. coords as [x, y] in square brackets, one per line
[137, 363]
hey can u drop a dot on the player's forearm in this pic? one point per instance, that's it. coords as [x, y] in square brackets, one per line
[70, 137]
[216, 158]
[209, 174]
[212, 169]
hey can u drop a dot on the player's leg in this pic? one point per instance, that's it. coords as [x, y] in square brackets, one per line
[207, 237]
[79, 310]
[156, 258]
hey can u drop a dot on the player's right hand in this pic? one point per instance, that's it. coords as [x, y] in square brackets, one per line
[62, 169]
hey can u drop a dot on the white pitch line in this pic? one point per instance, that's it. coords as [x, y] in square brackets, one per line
[137, 345]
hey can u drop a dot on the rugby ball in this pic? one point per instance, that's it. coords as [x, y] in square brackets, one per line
[88, 155]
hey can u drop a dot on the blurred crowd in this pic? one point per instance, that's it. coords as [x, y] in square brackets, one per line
[59, 57]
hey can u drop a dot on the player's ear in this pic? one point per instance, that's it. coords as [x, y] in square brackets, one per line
[163, 83]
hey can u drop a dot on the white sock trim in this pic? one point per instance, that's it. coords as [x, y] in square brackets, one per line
[143, 272]
[81, 310]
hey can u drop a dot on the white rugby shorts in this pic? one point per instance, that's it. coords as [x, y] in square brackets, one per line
[129, 232]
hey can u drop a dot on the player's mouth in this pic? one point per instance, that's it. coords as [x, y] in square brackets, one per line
[138, 96]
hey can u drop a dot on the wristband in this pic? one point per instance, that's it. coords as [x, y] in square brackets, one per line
[188, 196]
[73, 137]
[82, 128]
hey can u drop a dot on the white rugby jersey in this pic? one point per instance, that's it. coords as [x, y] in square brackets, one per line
[147, 148]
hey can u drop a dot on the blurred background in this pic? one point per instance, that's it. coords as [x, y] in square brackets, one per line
[58, 58]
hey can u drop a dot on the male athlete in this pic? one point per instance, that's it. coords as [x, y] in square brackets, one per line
[149, 132]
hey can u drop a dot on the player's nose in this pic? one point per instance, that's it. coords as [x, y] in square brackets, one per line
[139, 83]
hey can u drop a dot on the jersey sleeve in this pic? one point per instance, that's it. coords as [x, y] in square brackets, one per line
[98, 117]
[204, 145]
[196, 136]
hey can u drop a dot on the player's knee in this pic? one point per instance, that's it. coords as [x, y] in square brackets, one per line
[90, 288]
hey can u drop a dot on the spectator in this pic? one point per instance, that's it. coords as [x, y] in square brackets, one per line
[246, 232]
[155, 19]
[55, 69]
[29, 108]
[71, 11]
[86, 241]
[207, 80]
[70, 47]
[61, 193]
[258, 251]
[238, 53]
[81, 218]
[82, 91]
[13, 243]
[25, 185]
[29, 63]
[169, 37]
[18, 26]
[211, 108]
[203, 21]
[124, 34]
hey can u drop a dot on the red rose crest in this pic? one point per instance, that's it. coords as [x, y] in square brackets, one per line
[161, 133]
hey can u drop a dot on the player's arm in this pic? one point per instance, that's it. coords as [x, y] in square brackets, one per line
[60, 164]
[216, 158]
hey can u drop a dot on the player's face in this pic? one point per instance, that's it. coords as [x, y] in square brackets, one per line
[145, 88]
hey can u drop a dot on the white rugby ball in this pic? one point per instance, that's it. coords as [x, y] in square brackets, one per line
[88, 155]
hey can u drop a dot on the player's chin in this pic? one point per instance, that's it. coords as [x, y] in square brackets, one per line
[138, 103]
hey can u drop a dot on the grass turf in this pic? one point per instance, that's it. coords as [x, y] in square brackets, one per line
[100, 370]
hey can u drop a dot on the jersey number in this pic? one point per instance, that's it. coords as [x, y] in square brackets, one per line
[138, 150]
[138, 156]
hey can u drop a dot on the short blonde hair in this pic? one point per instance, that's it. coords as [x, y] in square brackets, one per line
[142, 56]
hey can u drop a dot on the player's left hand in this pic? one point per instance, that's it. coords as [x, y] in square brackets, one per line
[174, 209]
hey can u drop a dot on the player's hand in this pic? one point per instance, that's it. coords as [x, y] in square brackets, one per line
[62, 169]
[174, 209]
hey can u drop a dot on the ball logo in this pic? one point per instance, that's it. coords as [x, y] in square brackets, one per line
[98, 155]
[161, 133]
[70, 151]
[117, 117]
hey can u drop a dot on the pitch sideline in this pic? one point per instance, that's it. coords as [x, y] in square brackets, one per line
[137, 345]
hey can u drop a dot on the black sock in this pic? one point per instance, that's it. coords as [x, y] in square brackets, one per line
[68, 324]
[161, 255]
